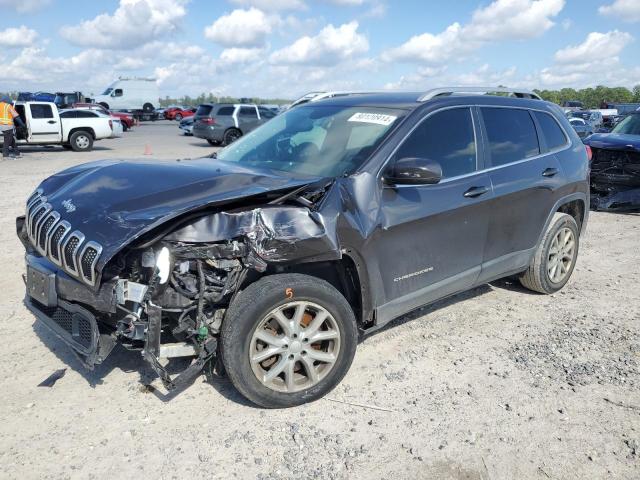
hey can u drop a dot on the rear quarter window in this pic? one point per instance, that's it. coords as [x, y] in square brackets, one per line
[511, 134]
[204, 110]
[225, 111]
[553, 134]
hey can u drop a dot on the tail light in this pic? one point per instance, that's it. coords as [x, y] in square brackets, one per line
[111, 125]
[208, 121]
[589, 152]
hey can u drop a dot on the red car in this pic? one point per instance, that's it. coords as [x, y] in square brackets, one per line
[126, 119]
[179, 113]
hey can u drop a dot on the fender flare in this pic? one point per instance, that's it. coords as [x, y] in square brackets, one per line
[566, 199]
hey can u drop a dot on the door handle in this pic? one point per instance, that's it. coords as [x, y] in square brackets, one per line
[550, 172]
[474, 192]
[52, 121]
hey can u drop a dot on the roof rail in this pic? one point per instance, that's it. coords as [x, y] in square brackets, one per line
[446, 91]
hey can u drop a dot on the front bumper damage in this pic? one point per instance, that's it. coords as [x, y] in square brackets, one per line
[615, 180]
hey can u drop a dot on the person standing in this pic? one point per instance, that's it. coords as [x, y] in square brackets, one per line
[8, 118]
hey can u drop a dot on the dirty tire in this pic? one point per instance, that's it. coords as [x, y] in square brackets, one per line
[537, 277]
[231, 136]
[245, 315]
[81, 141]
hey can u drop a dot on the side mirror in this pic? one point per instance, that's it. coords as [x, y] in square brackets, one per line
[414, 171]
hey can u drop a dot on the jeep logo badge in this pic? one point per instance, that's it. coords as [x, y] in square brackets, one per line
[69, 206]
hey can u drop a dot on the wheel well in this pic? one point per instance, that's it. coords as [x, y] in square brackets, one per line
[83, 129]
[341, 274]
[576, 209]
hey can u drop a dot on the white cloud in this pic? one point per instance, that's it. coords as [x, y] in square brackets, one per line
[597, 46]
[332, 45]
[500, 20]
[241, 28]
[241, 55]
[272, 5]
[17, 37]
[625, 10]
[135, 22]
[24, 6]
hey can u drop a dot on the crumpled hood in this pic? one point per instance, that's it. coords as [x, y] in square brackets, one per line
[114, 202]
[613, 141]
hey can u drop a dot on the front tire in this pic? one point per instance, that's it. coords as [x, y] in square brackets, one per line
[81, 141]
[555, 257]
[147, 108]
[178, 117]
[287, 340]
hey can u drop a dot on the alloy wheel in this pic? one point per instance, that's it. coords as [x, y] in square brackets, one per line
[562, 252]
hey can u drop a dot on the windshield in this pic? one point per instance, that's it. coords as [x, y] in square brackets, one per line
[326, 141]
[107, 91]
[630, 125]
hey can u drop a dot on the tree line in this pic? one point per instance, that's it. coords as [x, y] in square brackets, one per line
[592, 97]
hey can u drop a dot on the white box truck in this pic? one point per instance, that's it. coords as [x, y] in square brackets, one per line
[138, 95]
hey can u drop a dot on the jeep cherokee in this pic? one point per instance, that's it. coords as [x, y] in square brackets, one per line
[272, 258]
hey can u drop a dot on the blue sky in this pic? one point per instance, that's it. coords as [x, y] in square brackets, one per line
[283, 48]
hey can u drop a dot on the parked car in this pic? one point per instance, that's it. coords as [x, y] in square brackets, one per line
[186, 125]
[582, 128]
[321, 225]
[130, 94]
[317, 96]
[36, 97]
[224, 123]
[593, 118]
[73, 129]
[569, 105]
[615, 168]
[179, 113]
[126, 119]
[64, 100]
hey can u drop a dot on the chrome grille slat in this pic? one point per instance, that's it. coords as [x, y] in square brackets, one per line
[52, 238]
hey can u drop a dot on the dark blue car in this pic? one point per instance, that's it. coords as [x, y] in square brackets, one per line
[615, 167]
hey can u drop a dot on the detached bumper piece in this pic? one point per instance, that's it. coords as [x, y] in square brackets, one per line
[77, 327]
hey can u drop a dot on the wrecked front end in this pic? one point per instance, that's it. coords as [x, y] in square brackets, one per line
[166, 293]
[615, 178]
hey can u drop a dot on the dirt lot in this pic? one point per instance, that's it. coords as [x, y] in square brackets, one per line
[497, 383]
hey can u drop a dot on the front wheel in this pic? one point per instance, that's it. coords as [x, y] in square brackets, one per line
[81, 141]
[178, 117]
[555, 257]
[287, 340]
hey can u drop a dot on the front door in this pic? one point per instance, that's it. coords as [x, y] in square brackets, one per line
[433, 236]
[43, 123]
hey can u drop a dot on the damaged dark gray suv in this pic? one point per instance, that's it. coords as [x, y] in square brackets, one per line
[270, 260]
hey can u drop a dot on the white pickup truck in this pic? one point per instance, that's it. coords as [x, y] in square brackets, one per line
[73, 129]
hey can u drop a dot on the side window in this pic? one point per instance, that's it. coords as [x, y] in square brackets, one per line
[248, 112]
[86, 114]
[41, 111]
[118, 92]
[552, 132]
[69, 114]
[511, 133]
[225, 111]
[446, 137]
[266, 113]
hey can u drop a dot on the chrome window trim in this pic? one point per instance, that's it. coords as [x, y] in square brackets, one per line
[98, 248]
[58, 246]
[568, 146]
[56, 216]
[80, 236]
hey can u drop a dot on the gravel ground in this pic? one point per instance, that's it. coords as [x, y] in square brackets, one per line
[495, 383]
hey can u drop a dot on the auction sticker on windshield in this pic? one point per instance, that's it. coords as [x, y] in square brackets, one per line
[377, 118]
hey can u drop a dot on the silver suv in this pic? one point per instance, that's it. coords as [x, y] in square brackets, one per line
[224, 123]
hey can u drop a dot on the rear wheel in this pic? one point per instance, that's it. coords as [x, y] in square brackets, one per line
[287, 340]
[81, 141]
[178, 116]
[147, 108]
[555, 258]
[231, 136]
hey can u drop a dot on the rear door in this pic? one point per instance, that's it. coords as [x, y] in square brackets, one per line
[433, 236]
[525, 175]
[248, 118]
[44, 123]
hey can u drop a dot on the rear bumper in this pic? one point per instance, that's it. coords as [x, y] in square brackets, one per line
[208, 132]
